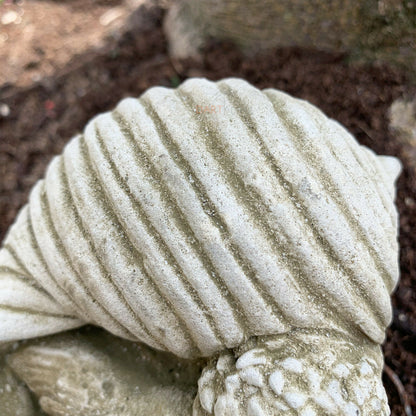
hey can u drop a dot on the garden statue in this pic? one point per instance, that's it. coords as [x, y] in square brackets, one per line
[222, 226]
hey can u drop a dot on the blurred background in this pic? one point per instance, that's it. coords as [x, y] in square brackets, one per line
[64, 61]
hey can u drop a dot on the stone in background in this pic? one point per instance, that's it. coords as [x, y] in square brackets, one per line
[371, 30]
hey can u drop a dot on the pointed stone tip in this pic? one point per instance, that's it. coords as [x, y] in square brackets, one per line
[392, 165]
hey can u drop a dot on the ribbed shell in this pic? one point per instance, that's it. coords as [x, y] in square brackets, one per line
[191, 231]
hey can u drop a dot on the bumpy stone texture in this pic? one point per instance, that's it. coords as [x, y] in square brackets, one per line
[15, 398]
[95, 373]
[300, 373]
[195, 219]
[370, 29]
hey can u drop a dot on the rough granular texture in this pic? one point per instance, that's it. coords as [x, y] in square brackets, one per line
[372, 30]
[45, 115]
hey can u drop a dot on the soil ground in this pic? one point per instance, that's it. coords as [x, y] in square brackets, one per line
[53, 81]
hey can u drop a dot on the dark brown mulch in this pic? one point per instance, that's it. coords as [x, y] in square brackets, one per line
[44, 116]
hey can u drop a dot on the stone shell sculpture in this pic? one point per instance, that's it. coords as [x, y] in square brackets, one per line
[218, 220]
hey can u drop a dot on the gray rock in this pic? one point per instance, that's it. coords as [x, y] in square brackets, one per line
[15, 398]
[95, 373]
[371, 29]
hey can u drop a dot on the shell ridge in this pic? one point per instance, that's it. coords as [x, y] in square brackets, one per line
[56, 226]
[8, 273]
[357, 287]
[253, 209]
[96, 309]
[287, 186]
[376, 190]
[19, 275]
[200, 231]
[238, 313]
[338, 198]
[32, 322]
[29, 314]
[202, 195]
[332, 257]
[330, 254]
[11, 289]
[151, 230]
[381, 319]
[31, 311]
[79, 222]
[10, 268]
[140, 262]
[138, 328]
[356, 175]
[23, 276]
[374, 161]
[16, 258]
[269, 300]
[334, 294]
[387, 241]
[187, 288]
[21, 239]
[340, 148]
[199, 188]
[45, 220]
[369, 168]
[203, 258]
[40, 255]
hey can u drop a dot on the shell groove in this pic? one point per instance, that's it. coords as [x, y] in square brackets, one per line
[192, 231]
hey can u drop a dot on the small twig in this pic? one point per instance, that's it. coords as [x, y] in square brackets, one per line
[400, 389]
[365, 131]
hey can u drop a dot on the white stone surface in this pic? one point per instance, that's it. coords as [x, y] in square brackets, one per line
[319, 388]
[196, 218]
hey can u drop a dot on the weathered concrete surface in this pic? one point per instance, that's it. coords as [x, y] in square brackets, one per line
[193, 220]
[15, 398]
[303, 373]
[248, 217]
[371, 30]
[95, 373]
